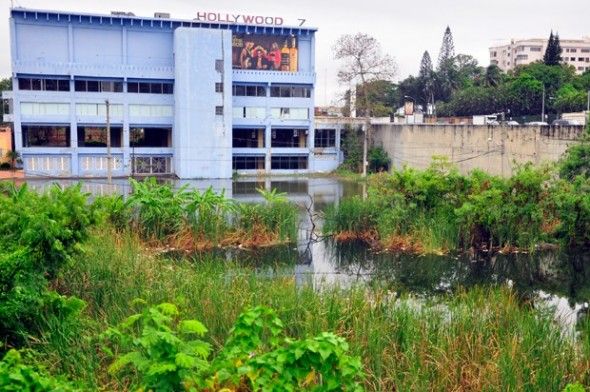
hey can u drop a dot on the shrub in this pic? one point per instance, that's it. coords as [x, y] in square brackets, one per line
[15, 375]
[168, 355]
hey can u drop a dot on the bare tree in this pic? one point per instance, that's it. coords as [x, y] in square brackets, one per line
[363, 63]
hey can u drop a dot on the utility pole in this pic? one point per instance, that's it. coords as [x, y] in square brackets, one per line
[543, 105]
[588, 104]
[365, 142]
[109, 157]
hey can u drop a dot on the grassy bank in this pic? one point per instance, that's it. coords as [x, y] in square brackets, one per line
[440, 210]
[481, 339]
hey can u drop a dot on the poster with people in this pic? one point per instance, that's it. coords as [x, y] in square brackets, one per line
[265, 52]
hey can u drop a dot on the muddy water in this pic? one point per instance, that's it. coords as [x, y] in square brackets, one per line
[557, 279]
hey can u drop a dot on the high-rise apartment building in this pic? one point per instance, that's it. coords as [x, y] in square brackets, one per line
[576, 52]
[198, 98]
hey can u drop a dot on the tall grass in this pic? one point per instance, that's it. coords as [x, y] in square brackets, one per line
[483, 339]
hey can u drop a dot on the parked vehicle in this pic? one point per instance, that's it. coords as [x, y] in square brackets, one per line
[537, 123]
[563, 122]
[512, 123]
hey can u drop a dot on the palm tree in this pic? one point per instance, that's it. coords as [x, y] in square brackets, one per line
[13, 156]
[493, 75]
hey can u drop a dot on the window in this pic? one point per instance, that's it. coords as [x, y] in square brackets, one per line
[150, 137]
[98, 86]
[248, 138]
[536, 48]
[572, 59]
[44, 109]
[48, 163]
[295, 138]
[151, 165]
[99, 109]
[242, 90]
[93, 136]
[522, 57]
[46, 136]
[218, 87]
[290, 113]
[249, 112]
[248, 162]
[288, 162]
[325, 138]
[39, 84]
[146, 87]
[290, 91]
[494, 54]
[219, 110]
[219, 65]
[100, 162]
[580, 58]
[151, 111]
[585, 50]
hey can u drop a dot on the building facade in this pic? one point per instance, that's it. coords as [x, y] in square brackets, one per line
[185, 97]
[576, 52]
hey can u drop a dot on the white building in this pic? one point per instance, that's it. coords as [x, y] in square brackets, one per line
[576, 52]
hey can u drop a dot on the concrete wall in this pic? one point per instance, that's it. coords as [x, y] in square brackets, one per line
[495, 149]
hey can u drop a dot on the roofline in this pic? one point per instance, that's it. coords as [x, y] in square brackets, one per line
[182, 22]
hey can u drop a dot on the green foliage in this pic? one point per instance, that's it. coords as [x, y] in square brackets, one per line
[168, 355]
[378, 160]
[40, 235]
[352, 148]
[552, 54]
[442, 209]
[575, 387]
[17, 376]
[165, 351]
[576, 160]
[570, 99]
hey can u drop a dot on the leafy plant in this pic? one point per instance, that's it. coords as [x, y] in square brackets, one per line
[162, 349]
[15, 376]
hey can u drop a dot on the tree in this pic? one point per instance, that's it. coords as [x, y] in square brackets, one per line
[446, 76]
[568, 99]
[468, 70]
[493, 76]
[447, 49]
[553, 52]
[427, 79]
[5, 84]
[363, 63]
[381, 97]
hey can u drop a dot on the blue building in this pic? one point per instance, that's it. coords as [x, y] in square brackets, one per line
[192, 98]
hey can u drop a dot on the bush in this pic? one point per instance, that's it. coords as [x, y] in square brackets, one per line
[40, 235]
[168, 355]
[378, 160]
[4, 166]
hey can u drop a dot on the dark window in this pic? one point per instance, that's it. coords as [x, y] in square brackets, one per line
[24, 84]
[241, 90]
[248, 138]
[151, 165]
[150, 137]
[218, 87]
[288, 162]
[97, 136]
[288, 138]
[219, 110]
[325, 138]
[96, 86]
[248, 162]
[46, 135]
[219, 65]
[38, 84]
[290, 91]
[150, 87]
[132, 87]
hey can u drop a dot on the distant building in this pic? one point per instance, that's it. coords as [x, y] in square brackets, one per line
[576, 52]
[5, 142]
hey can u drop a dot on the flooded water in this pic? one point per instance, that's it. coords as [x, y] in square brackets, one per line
[560, 280]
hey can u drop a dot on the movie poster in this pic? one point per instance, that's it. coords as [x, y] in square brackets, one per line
[265, 52]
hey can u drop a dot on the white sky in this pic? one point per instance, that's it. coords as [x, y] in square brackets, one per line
[404, 28]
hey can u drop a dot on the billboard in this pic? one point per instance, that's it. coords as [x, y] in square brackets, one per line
[265, 52]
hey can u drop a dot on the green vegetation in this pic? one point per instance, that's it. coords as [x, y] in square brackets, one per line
[206, 324]
[438, 209]
[482, 339]
[201, 220]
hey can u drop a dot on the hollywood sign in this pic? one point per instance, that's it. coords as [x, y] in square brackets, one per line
[218, 17]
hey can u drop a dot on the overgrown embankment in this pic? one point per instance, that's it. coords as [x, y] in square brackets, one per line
[440, 210]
